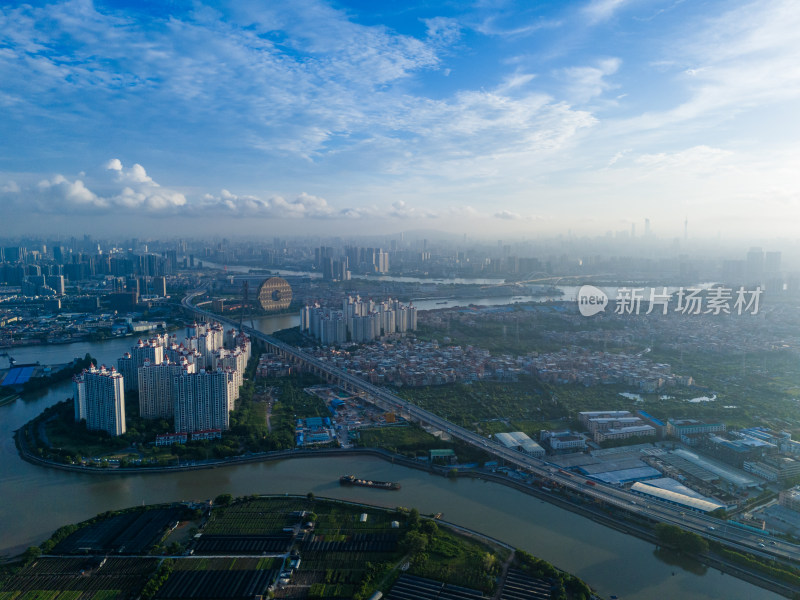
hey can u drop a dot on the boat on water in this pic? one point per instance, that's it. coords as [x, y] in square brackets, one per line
[381, 485]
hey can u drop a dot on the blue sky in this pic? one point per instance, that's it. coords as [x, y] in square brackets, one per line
[493, 117]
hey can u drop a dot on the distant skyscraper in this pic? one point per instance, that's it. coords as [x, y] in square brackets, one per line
[160, 286]
[56, 282]
[754, 269]
[99, 397]
[733, 271]
[772, 263]
[773, 278]
[382, 262]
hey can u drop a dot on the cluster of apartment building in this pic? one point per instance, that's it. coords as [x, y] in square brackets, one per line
[195, 384]
[357, 321]
[593, 368]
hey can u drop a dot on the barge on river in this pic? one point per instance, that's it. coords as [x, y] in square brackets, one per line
[381, 485]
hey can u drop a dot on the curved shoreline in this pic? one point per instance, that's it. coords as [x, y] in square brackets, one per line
[26, 455]
[566, 503]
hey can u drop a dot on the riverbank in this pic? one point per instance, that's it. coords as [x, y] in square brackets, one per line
[91, 338]
[572, 504]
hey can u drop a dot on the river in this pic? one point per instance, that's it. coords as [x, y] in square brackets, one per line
[37, 500]
[397, 278]
[272, 323]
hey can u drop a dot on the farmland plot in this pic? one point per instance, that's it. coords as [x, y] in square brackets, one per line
[80, 579]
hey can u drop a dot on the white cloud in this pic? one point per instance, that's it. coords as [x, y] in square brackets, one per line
[401, 210]
[749, 63]
[693, 72]
[442, 30]
[140, 191]
[587, 82]
[58, 193]
[463, 211]
[696, 158]
[507, 215]
[277, 207]
[602, 10]
[490, 26]
[115, 190]
[328, 77]
[515, 80]
[331, 86]
[155, 200]
[617, 157]
[121, 191]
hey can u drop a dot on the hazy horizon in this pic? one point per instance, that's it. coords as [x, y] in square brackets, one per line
[494, 119]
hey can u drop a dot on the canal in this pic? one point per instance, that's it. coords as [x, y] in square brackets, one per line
[36, 500]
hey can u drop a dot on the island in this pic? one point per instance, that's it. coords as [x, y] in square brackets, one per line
[292, 547]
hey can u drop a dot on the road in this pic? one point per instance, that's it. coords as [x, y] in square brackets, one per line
[706, 526]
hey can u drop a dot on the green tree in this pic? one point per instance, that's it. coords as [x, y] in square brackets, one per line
[175, 548]
[429, 528]
[720, 513]
[31, 554]
[683, 541]
[420, 560]
[414, 543]
[223, 499]
[413, 518]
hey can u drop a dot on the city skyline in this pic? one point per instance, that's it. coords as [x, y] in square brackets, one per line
[495, 118]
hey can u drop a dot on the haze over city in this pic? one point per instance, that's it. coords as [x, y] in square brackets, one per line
[496, 118]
